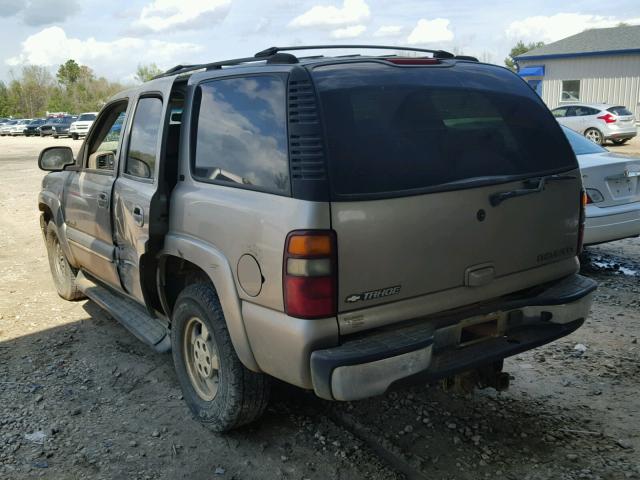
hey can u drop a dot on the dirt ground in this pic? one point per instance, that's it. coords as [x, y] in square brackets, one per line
[80, 397]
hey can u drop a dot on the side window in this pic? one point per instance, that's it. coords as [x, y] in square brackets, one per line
[242, 133]
[571, 112]
[103, 144]
[141, 158]
[559, 112]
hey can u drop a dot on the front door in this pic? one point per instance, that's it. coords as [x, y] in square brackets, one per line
[87, 196]
[134, 192]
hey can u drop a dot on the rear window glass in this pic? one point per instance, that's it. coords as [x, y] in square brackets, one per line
[619, 111]
[396, 130]
[580, 144]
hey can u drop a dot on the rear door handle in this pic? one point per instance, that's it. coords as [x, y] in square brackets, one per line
[103, 200]
[138, 215]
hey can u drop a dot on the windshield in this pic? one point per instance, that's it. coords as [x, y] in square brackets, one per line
[87, 117]
[580, 145]
[393, 131]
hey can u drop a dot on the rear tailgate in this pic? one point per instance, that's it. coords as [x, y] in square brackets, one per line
[415, 156]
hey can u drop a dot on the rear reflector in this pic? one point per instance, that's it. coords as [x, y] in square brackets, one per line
[310, 274]
[413, 61]
[608, 118]
[583, 202]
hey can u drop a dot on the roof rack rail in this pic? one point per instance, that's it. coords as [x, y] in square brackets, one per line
[273, 50]
[273, 55]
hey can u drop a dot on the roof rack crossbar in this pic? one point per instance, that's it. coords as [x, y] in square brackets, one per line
[273, 50]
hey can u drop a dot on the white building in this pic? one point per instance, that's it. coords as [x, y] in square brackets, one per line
[596, 66]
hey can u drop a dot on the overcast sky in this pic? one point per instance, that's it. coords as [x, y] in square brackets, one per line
[113, 37]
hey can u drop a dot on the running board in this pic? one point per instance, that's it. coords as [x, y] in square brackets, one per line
[129, 313]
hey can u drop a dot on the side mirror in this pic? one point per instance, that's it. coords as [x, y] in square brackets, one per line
[55, 159]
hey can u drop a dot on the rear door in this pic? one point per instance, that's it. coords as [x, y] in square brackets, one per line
[139, 210]
[417, 157]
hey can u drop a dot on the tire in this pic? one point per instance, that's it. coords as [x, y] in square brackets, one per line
[64, 275]
[74, 136]
[55, 136]
[621, 141]
[224, 398]
[594, 135]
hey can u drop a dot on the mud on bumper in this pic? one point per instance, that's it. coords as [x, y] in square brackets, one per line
[449, 344]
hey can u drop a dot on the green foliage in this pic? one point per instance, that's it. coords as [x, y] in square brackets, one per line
[144, 73]
[68, 73]
[75, 89]
[519, 49]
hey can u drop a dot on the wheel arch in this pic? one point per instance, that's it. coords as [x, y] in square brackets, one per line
[185, 260]
[49, 206]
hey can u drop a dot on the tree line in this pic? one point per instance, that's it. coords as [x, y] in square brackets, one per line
[75, 89]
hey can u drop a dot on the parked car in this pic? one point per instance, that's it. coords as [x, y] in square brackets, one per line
[6, 128]
[34, 127]
[19, 127]
[81, 126]
[343, 224]
[612, 184]
[57, 126]
[598, 122]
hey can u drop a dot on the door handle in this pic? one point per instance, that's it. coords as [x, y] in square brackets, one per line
[138, 215]
[103, 200]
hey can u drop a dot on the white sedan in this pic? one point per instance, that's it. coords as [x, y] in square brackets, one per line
[612, 183]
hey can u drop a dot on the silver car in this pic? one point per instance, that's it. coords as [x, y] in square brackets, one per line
[598, 122]
[612, 183]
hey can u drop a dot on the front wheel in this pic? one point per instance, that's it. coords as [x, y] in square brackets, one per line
[594, 135]
[221, 392]
[64, 275]
[74, 136]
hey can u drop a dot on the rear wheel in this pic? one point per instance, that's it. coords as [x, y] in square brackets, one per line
[594, 135]
[55, 135]
[221, 392]
[620, 141]
[74, 136]
[64, 275]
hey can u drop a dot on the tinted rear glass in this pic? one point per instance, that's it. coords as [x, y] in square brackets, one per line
[619, 111]
[391, 129]
[580, 144]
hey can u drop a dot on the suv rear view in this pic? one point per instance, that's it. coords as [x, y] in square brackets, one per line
[344, 224]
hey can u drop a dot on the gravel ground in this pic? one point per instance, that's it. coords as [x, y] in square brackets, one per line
[81, 398]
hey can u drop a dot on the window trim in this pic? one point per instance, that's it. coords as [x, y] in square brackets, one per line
[85, 148]
[122, 168]
[196, 101]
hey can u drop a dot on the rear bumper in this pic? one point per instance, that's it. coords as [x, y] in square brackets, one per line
[611, 223]
[431, 350]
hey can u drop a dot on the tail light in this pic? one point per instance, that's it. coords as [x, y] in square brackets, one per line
[608, 118]
[583, 204]
[310, 274]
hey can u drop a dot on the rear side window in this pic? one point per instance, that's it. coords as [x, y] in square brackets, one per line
[623, 111]
[242, 134]
[396, 131]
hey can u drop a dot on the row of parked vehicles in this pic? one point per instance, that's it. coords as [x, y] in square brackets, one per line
[74, 126]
